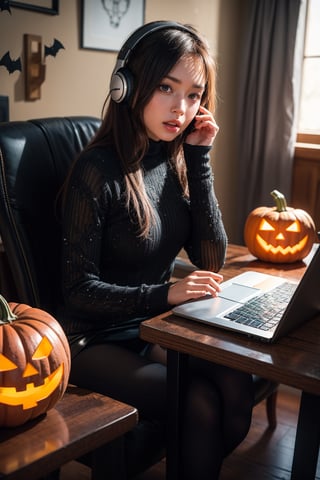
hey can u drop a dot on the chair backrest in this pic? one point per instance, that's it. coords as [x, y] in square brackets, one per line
[35, 156]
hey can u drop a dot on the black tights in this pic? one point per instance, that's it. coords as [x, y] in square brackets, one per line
[217, 417]
[218, 402]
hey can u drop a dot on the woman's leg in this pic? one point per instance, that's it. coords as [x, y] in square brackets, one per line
[236, 393]
[122, 374]
[201, 445]
[125, 375]
[217, 415]
[218, 401]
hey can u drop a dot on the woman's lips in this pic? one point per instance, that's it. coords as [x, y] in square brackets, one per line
[173, 126]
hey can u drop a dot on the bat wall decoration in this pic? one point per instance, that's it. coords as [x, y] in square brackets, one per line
[33, 66]
[10, 64]
[53, 49]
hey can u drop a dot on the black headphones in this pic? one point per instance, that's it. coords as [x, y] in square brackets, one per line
[121, 82]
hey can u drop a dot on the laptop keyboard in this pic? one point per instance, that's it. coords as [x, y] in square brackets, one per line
[264, 311]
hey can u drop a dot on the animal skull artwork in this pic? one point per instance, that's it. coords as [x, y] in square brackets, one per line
[115, 9]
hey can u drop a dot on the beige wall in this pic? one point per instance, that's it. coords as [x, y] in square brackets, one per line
[77, 79]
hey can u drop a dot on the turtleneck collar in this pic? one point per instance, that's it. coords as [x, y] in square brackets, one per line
[155, 155]
[155, 148]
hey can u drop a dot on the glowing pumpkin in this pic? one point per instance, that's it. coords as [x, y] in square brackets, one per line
[34, 362]
[279, 234]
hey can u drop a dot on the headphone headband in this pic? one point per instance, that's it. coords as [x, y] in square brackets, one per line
[133, 40]
[121, 81]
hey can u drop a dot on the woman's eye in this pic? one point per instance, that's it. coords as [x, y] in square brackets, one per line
[164, 88]
[195, 96]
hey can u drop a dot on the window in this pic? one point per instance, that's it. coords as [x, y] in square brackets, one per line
[309, 116]
[305, 191]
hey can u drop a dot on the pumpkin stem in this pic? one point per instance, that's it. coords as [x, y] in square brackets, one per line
[6, 315]
[280, 200]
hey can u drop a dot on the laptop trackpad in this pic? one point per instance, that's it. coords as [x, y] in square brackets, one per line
[238, 293]
[205, 309]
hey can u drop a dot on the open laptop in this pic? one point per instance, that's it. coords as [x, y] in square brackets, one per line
[248, 298]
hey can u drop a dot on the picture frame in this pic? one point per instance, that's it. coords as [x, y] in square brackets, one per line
[106, 29]
[50, 7]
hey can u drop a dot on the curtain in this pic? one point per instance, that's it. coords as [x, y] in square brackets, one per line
[268, 92]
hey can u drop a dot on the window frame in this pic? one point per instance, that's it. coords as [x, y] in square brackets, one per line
[307, 138]
[307, 146]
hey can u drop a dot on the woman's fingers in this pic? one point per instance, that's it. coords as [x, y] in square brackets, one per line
[205, 282]
[196, 285]
[205, 128]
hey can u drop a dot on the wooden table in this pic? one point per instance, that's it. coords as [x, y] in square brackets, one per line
[81, 422]
[293, 360]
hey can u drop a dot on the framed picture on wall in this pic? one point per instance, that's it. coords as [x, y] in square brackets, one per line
[51, 7]
[106, 24]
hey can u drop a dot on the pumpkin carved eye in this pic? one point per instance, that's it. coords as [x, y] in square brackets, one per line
[294, 227]
[6, 364]
[43, 350]
[266, 226]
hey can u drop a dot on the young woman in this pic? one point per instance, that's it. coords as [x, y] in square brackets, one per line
[139, 193]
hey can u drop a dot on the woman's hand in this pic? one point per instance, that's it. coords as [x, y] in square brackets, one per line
[196, 285]
[205, 129]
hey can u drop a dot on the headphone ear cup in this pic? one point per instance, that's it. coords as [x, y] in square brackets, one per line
[121, 85]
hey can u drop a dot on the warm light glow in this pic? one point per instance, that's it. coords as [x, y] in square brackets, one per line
[43, 350]
[287, 250]
[266, 226]
[275, 248]
[30, 397]
[294, 227]
[6, 364]
[29, 371]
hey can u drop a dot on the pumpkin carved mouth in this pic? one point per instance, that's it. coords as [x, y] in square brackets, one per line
[30, 397]
[282, 250]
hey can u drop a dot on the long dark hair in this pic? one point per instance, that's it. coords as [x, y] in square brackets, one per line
[122, 125]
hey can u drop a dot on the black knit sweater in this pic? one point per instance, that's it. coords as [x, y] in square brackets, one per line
[111, 278]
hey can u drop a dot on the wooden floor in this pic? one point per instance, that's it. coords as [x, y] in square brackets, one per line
[263, 455]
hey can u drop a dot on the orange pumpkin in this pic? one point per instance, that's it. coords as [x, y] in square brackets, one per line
[34, 362]
[279, 234]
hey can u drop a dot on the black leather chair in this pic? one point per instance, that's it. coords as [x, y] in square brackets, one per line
[35, 156]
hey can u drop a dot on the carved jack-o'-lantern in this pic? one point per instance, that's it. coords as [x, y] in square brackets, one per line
[34, 362]
[279, 234]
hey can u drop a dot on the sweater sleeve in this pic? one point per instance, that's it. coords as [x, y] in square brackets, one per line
[86, 294]
[207, 245]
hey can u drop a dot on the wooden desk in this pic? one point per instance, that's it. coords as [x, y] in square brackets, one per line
[81, 422]
[293, 360]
